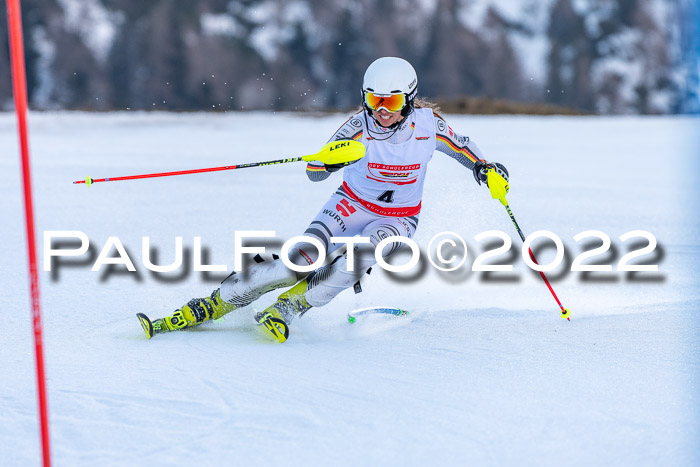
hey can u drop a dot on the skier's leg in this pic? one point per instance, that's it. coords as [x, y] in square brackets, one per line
[241, 289]
[236, 291]
[340, 217]
[195, 312]
[330, 280]
[324, 284]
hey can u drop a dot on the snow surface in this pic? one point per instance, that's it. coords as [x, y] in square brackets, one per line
[479, 373]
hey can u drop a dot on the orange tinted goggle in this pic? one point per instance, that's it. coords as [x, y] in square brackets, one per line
[392, 102]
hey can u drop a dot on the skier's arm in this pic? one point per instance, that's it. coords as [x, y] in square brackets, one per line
[351, 129]
[464, 151]
[458, 147]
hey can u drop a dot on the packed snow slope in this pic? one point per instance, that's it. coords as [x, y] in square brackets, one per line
[482, 372]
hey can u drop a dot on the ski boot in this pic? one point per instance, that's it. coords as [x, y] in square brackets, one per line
[194, 313]
[276, 317]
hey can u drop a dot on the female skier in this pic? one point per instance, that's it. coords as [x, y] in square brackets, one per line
[380, 197]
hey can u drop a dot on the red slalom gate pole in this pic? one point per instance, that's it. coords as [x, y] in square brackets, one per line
[19, 83]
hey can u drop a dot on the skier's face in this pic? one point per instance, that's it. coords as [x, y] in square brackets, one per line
[386, 118]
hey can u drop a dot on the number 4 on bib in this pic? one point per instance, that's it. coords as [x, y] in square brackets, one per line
[387, 196]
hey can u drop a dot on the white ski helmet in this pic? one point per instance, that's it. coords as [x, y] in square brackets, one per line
[391, 75]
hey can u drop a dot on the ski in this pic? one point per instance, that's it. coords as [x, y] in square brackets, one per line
[352, 316]
[158, 326]
[276, 327]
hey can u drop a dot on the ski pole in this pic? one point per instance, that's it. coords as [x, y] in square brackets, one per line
[335, 152]
[499, 188]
